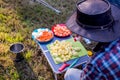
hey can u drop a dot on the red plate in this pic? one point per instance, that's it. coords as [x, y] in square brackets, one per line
[61, 30]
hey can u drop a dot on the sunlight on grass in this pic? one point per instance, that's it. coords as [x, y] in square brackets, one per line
[15, 37]
[4, 29]
[6, 61]
[17, 21]
[4, 48]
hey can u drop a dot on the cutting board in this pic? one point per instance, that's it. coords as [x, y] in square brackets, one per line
[82, 52]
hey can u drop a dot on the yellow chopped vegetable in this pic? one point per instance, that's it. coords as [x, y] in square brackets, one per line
[63, 50]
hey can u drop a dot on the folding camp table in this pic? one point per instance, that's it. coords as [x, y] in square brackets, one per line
[51, 62]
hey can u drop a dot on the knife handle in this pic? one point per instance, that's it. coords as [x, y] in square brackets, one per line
[63, 67]
[74, 62]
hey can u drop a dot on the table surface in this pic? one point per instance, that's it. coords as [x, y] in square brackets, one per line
[50, 60]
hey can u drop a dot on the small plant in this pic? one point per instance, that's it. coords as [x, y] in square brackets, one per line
[14, 37]
[14, 75]
[3, 36]
[29, 54]
[2, 78]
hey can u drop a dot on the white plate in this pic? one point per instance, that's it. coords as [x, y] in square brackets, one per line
[38, 32]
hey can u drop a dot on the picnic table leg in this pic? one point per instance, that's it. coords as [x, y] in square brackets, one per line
[55, 75]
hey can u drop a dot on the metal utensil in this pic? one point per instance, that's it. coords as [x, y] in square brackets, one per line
[48, 5]
[17, 49]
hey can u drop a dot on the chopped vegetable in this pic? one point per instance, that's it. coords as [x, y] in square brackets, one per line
[58, 60]
[62, 51]
[46, 36]
[61, 30]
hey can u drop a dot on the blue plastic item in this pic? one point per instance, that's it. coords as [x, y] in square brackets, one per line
[73, 63]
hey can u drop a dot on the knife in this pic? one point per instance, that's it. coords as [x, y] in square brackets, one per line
[73, 63]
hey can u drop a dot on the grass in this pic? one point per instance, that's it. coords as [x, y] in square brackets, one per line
[18, 19]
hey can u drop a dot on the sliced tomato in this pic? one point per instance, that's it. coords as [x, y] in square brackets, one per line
[61, 30]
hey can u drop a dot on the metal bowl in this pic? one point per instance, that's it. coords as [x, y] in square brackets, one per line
[17, 48]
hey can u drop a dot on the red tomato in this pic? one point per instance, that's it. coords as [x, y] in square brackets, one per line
[61, 30]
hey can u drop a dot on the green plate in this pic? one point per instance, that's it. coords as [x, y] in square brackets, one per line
[82, 52]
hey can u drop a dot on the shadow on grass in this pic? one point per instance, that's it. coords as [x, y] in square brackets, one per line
[2, 70]
[24, 70]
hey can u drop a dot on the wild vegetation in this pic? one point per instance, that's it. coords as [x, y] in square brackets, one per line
[18, 18]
